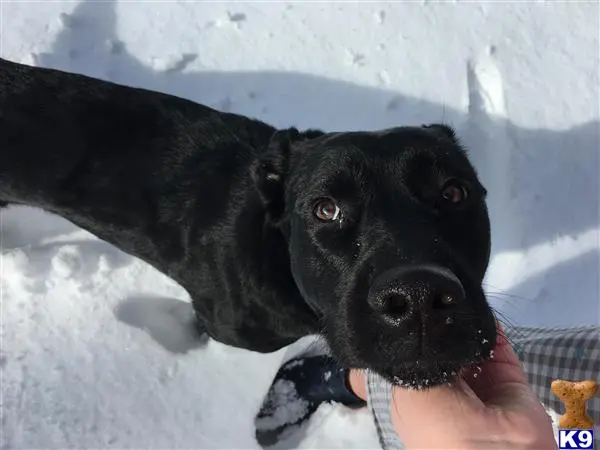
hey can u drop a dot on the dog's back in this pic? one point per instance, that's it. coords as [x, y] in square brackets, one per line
[126, 164]
[61, 128]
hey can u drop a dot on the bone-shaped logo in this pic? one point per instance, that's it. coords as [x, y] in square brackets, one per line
[574, 394]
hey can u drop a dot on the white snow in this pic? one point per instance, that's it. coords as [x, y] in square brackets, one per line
[96, 346]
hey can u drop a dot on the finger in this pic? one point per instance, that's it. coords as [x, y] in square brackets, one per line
[504, 366]
[490, 377]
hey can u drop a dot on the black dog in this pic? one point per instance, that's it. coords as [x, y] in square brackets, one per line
[377, 240]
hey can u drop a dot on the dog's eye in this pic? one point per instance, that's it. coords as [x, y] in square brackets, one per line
[327, 210]
[454, 192]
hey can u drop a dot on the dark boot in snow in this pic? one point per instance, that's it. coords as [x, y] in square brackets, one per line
[299, 387]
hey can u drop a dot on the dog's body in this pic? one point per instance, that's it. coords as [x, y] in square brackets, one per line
[222, 204]
[161, 178]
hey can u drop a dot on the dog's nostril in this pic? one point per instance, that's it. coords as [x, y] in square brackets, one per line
[390, 305]
[447, 299]
[444, 301]
[396, 305]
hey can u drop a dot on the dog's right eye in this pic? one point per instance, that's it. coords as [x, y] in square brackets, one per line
[327, 210]
[454, 192]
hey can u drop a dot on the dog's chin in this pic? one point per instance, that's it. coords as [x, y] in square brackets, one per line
[421, 377]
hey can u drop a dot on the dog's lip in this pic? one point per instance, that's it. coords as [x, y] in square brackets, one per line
[426, 379]
[433, 366]
[419, 378]
[419, 373]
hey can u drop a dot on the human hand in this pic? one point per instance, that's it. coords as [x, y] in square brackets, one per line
[497, 409]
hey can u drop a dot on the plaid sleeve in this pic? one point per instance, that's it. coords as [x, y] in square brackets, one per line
[379, 393]
[546, 354]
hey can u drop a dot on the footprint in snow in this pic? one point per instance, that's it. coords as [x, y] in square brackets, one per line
[46, 266]
[66, 262]
[168, 321]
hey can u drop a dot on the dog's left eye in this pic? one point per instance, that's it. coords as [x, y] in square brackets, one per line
[327, 210]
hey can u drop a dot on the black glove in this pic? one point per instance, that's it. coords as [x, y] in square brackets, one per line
[298, 389]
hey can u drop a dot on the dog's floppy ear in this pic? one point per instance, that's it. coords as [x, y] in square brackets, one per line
[271, 168]
[443, 131]
[270, 171]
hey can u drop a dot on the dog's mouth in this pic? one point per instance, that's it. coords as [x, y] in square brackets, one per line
[403, 363]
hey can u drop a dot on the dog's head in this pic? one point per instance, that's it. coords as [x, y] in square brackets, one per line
[389, 241]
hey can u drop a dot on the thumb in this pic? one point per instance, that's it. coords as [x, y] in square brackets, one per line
[501, 381]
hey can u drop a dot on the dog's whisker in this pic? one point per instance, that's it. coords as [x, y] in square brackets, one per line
[500, 292]
[509, 324]
[504, 318]
[504, 295]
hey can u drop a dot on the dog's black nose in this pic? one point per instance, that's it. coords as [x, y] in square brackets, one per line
[406, 291]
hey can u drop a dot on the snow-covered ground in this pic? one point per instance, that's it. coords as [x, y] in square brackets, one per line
[96, 348]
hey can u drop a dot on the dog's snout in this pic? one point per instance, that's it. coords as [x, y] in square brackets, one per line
[405, 292]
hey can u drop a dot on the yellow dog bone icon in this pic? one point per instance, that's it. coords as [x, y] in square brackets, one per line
[574, 394]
